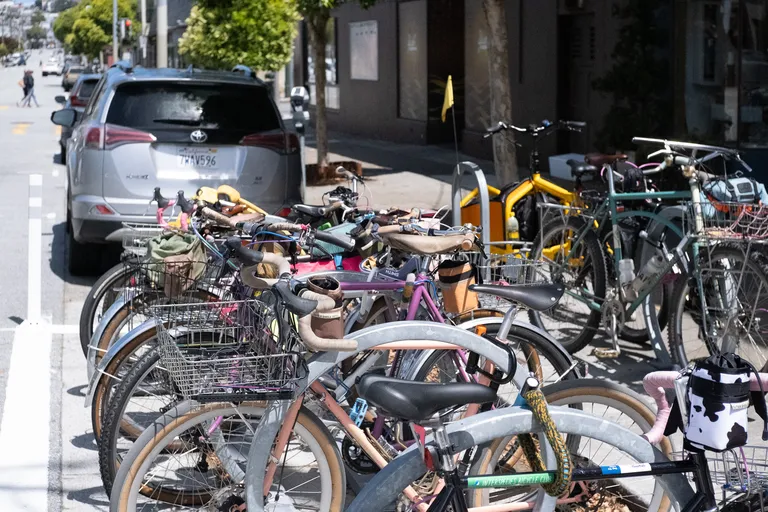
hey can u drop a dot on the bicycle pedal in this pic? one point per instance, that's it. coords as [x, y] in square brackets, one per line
[357, 414]
[606, 353]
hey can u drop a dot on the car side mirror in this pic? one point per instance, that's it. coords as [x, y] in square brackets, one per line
[60, 99]
[65, 117]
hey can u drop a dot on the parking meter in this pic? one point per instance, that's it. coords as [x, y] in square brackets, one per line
[299, 104]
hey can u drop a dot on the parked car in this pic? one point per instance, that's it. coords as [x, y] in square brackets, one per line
[78, 100]
[52, 67]
[70, 76]
[174, 129]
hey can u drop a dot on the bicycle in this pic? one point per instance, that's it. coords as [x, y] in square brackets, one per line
[570, 246]
[188, 416]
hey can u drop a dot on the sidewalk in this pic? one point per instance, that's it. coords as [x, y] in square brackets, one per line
[401, 175]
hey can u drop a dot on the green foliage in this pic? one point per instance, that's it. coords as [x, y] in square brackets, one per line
[256, 33]
[36, 33]
[641, 96]
[3, 50]
[10, 43]
[37, 17]
[89, 23]
[88, 38]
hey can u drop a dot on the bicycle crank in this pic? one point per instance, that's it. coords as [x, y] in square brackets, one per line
[613, 321]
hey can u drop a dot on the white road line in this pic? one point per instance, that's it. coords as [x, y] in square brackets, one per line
[26, 414]
[35, 202]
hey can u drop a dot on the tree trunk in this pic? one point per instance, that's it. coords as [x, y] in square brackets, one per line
[504, 154]
[316, 24]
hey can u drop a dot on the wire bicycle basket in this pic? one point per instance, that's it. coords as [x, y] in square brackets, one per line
[230, 351]
[734, 222]
[137, 235]
[739, 471]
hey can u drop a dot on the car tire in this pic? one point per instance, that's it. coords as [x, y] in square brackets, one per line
[82, 259]
[45, 74]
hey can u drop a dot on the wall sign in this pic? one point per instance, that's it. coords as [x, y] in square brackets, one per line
[364, 50]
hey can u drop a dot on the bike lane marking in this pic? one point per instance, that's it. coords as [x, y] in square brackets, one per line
[24, 432]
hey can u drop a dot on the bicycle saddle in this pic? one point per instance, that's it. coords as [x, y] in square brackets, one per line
[538, 297]
[581, 168]
[418, 401]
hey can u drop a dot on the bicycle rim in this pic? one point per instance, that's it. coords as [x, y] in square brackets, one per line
[602, 399]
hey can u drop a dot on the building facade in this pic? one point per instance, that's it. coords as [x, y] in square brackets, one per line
[695, 69]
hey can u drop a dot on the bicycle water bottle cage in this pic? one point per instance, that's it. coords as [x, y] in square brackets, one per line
[357, 414]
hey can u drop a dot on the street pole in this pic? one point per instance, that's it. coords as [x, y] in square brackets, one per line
[143, 37]
[115, 43]
[162, 33]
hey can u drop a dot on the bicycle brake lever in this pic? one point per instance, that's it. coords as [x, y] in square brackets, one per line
[160, 200]
[185, 204]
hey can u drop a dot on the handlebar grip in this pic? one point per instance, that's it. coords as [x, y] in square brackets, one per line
[333, 207]
[312, 340]
[185, 204]
[218, 217]
[383, 230]
[160, 200]
[248, 257]
[345, 242]
[468, 243]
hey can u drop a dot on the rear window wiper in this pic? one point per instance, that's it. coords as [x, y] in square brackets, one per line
[186, 122]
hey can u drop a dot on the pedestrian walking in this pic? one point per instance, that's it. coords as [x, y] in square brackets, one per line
[24, 88]
[29, 81]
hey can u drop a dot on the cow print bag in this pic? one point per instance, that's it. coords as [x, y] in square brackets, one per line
[718, 400]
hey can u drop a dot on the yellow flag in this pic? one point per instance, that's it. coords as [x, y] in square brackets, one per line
[448, 101]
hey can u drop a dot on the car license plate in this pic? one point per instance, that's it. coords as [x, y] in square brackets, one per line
[198, 158]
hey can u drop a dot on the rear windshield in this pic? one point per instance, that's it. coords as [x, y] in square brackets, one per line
[86, 88]
[75, 70]
[228, 107]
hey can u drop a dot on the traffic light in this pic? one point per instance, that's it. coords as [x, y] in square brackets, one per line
[126, 28]
[129, 27]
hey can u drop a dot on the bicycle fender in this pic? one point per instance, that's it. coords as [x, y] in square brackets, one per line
[124, 298]
[94, 379]
[484, 428]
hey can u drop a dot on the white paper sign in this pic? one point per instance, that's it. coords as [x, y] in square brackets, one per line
[364, 50]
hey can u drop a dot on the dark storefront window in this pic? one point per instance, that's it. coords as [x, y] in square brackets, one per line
[753, 121]
[477, 90]
[726, 94]
[412, 53]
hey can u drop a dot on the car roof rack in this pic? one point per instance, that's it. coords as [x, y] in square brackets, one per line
[123, 65]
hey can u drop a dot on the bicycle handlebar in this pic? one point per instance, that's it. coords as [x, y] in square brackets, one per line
[535, 129]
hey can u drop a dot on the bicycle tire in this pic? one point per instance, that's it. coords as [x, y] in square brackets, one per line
[100, 290]
[384, 488]
[599, 275]
[757, 264]
[187, 414]
[603, 392]
[118, 366]
[111, 428]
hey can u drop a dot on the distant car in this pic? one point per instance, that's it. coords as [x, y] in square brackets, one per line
[177, 130]
[52, 67]
[78, 100]
[71, 76]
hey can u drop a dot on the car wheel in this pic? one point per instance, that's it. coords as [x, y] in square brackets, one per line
[82, 259]
[45, 74]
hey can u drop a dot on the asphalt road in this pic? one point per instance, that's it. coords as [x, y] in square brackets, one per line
[50, 463]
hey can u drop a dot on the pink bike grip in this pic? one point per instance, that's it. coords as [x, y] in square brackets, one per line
[184, 221]
[333, 207]
[654, 384]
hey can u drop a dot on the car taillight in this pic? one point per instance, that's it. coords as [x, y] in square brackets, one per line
[93, 138]
[274, 141]
[77, 102]
[292, 142]
[118, 135]
[284, 212]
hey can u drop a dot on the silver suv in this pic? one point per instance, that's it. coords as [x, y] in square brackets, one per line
[173, 129]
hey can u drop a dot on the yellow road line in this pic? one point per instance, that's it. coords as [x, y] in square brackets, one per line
[20, 128]
[3, 107]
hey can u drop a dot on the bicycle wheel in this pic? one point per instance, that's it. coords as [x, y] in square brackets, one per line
[572, 322]
[730, 315]
[115, 371]
[210, 472]
[599, 398]
[103, 294]
[139, 400]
